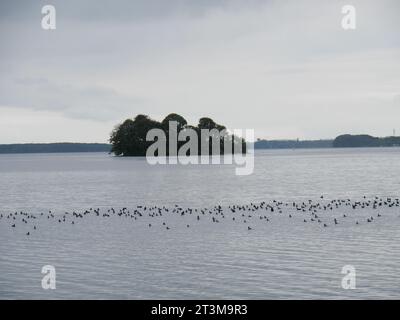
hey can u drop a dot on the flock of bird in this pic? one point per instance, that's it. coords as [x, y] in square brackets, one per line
[319, 212]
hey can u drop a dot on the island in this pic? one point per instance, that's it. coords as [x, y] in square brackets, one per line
[130, 138]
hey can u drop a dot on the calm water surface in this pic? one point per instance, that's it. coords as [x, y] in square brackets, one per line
[119, 258]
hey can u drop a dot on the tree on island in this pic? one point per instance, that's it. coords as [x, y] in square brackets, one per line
[129, 137]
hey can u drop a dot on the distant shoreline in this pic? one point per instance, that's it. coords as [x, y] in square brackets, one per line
[342, 141]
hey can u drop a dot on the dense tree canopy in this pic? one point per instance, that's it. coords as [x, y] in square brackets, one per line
[129, 137]
[182, 123]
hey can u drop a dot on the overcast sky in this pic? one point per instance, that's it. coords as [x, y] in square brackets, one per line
[284, 68]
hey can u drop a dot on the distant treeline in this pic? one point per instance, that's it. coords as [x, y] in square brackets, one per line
[364, 140]
[292, 144]
[54, 147]
[343, 141]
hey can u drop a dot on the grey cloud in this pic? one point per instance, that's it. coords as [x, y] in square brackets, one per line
[396, 101]
[118, 10]
[82, 102]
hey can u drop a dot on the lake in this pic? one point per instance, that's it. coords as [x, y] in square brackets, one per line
[122, 249]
